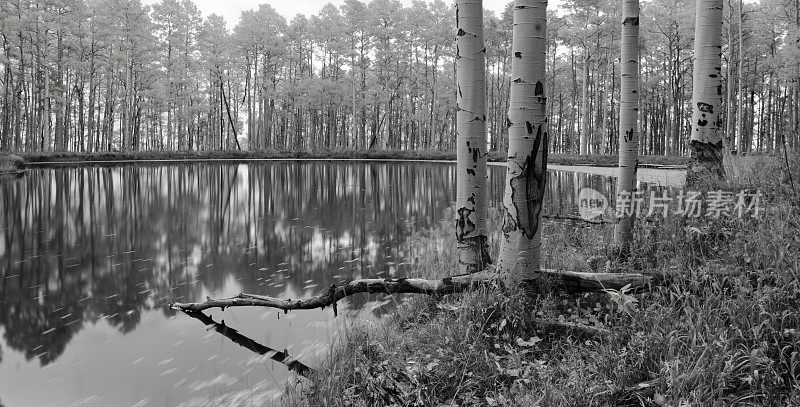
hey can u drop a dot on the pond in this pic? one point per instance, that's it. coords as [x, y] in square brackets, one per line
[91, 256]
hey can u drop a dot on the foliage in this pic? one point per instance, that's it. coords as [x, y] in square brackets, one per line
[105, 75]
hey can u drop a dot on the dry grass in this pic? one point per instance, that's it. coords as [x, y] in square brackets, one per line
[723, 331]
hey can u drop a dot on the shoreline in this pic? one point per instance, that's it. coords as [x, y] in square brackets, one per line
[56, 160]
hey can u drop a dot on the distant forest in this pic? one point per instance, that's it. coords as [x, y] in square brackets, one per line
[100, 75]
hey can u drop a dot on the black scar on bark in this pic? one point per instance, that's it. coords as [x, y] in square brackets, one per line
[470, 171]
[458, 52]
[528, 188]
[464, 225]
[456, 15]
[475, 154]
[517, 54]
[508, 123]
[702, 123]
[461, 32]
[471, 199]
[634, 21]
[705, 107]
[509, 224]
[538, 89]
[461, 95]
[530, 127]
[629, 134]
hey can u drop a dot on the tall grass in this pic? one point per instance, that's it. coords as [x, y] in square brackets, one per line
[723, 330]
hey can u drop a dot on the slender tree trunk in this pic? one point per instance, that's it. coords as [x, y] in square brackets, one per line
[526, 175]
[740, 146]
[706, 140]
[730, 133]
[584, 145]
[473, 248]
[628, 118]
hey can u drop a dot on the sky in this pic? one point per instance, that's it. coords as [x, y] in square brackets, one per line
[231, 9]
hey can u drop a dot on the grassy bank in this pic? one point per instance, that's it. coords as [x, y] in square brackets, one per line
[723, 331]
[425, 155]
[10, 163]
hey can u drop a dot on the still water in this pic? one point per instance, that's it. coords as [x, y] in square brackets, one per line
[91, 256]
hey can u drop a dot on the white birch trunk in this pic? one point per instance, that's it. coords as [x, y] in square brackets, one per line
[706, 140]
[584, 140]
[739, 139]
[628, 116]
[471, 201]
[526, 176]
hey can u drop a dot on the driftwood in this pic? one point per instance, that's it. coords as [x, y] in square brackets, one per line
[578, 219]
[247, 343]
[570, 281]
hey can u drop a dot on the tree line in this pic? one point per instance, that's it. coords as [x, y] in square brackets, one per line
[104, 75]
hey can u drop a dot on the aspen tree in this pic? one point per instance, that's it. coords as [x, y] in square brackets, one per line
[628, 116]
[471, 201]
[526, 175]
[706, 140]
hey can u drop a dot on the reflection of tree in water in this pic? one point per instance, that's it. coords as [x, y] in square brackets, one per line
[90, 243]
[81, 244]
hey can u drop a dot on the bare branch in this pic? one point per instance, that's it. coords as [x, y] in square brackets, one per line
[570, 281]
[247, 343]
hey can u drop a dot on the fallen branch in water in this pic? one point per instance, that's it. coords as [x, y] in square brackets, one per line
[570, 281]
[247, 343]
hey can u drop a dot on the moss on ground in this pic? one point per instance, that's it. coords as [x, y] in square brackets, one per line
[723, 331]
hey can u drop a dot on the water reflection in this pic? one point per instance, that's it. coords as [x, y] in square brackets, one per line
[89, 258]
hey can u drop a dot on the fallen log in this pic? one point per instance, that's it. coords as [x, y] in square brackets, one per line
[570, 281]
[247, 343]
[577, 219]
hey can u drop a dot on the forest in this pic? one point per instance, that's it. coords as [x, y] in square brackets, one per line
[393, 203]
[116, 75]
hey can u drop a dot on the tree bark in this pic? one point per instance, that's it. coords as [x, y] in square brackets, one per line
[526, 174]
[706, 140]
[471, 200]
[629, 117]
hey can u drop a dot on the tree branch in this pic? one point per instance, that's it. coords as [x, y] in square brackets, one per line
[570, 281]
[247, 343]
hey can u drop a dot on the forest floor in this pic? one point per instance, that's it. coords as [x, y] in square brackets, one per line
[724, 329]
[58, 159]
